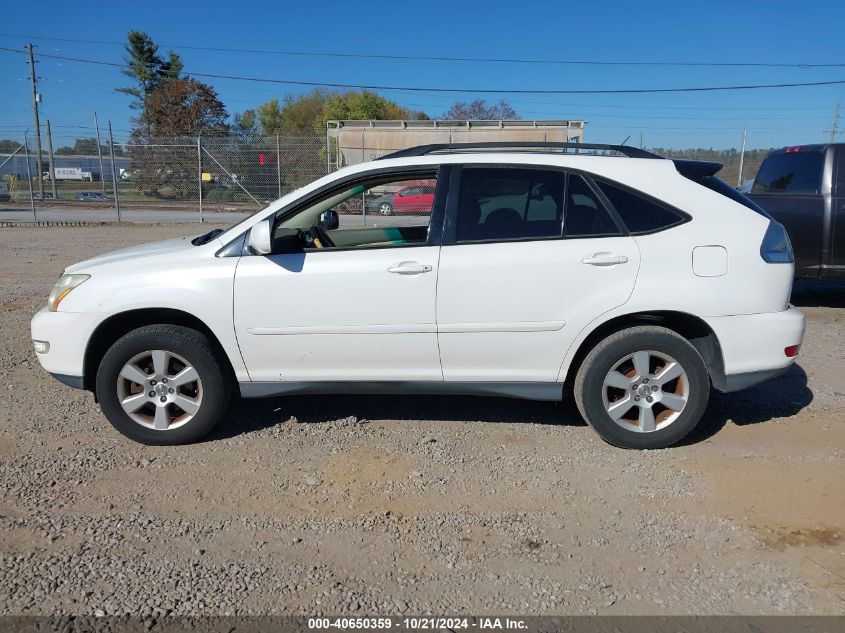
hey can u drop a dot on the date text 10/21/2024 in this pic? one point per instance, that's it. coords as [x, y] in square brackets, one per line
[419, 623]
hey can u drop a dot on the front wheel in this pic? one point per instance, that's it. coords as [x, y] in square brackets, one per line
[385, 208]
[643, 387]
[162, 384]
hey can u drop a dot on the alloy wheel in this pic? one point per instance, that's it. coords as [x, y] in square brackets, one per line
[159, 390]
[645, 391]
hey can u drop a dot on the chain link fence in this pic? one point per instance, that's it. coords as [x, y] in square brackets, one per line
[201, 175]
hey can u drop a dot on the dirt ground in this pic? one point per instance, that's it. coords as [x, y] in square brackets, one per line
[391, 505]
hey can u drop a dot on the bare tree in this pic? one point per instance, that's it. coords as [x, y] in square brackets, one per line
[480, 110]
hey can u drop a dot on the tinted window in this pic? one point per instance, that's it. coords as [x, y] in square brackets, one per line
[585, 214]
[793, 172]
[506, 204]
[639, 214]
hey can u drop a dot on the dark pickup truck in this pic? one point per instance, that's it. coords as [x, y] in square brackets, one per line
[803, 188]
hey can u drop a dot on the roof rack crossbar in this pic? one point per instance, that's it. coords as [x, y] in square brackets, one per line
[422, 150]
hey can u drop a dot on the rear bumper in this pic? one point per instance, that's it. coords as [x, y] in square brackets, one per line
[753, 345]
[738, 382]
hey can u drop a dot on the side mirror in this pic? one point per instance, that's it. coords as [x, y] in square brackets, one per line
[329, 220]
[260, 241]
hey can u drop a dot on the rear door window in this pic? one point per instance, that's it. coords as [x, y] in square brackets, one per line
[509, 204]
[794, 172]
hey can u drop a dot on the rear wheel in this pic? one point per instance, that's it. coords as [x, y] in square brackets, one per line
[643, 387]
[385, 208]
[162, 384]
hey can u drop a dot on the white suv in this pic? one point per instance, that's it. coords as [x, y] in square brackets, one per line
[633, 281]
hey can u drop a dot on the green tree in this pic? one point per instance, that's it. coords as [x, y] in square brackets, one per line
[84, 146]
[270, 117]
[363, 105]
[147, 67]
[245, 125]
[299, 115]
[302, 115]
[8, 146]
[306, 114]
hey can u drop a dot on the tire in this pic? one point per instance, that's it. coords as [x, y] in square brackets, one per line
[604, 388]
[161, 356]
[385, 208]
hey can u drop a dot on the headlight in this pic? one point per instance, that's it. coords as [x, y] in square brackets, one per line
[62, 289]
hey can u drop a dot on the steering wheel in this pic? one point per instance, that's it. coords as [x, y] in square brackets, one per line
[316, 237]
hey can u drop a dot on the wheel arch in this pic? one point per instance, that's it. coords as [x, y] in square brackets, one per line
[117, 325]
[694, 329]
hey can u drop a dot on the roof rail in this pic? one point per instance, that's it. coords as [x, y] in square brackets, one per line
[422, 150]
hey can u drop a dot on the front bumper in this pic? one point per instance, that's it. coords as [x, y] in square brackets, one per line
[68, 334]
[753, 345]
[76, 382]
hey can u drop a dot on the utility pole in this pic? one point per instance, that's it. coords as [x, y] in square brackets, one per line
[50, 160]
[741, 158]
[35, 99]
[835, 123]
[641, 140]
[100, 154]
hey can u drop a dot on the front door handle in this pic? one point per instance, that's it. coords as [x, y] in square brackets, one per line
[409, 268]
[604, 259]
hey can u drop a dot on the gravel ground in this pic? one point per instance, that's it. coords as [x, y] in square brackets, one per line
[392, 505]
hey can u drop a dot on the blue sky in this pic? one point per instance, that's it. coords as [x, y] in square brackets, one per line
[770, 31]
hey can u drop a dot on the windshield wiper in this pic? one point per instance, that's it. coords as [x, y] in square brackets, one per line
[205, 238]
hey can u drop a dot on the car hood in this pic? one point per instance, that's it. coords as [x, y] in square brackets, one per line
[133, 252]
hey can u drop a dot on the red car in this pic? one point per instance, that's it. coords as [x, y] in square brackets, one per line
[409, 199]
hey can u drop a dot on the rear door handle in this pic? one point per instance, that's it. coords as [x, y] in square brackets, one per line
[409, 268]
[604, 259]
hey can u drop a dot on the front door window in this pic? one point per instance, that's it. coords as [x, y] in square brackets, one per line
[382, 212]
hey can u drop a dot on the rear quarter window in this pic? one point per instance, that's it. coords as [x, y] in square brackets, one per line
[639, 213]
[797, 172]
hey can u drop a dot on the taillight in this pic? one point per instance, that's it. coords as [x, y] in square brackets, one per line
[776, 247]
[791, 351]
[794, 150]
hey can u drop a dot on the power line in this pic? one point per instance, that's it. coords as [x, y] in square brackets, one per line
[651, 108]
[292, 82]
[496, 60]
[518, 102]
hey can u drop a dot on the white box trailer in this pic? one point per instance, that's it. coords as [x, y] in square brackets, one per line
[353, 142]
[70, 173]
